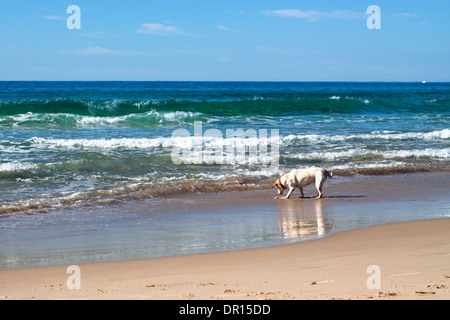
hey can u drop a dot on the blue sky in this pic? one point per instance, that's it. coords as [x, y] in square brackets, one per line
[325, 40]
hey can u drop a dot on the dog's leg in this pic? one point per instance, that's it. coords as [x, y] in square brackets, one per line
[301, 191]
[319, 184]
[289, 193]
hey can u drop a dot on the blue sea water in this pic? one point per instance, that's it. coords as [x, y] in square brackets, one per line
[71, 143]
[66, 145]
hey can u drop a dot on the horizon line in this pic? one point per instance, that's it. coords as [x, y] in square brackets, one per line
[360, 81]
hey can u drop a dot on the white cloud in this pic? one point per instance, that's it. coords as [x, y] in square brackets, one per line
[293, 51]
[102, 51]
[403, 15]
[224, 59]
[160, 29]
[225, 28]
[314, 15]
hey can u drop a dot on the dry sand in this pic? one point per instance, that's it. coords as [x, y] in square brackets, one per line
[413, 260]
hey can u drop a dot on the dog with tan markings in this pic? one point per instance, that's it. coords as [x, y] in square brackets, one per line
[300, 178]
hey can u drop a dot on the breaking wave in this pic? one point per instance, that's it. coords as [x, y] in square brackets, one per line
[166, 142]
[69, 112]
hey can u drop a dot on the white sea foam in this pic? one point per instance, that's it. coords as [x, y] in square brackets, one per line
[337, 98]
[372, 165]
[239, 142]
[17, 166]
[148, 143]
[385, 154]
[429, 152]
[383, 135]
[110, 105]
[150, 117]
[43, 202]
[132, 143]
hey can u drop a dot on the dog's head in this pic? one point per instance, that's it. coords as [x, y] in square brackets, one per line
[279, 187]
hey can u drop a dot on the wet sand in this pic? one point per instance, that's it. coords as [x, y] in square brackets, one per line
[412, 259]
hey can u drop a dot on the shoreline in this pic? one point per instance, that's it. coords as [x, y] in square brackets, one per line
[412, 258]
[198, 222]
[399, 223]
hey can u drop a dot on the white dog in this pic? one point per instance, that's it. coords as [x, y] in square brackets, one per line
[301, 178]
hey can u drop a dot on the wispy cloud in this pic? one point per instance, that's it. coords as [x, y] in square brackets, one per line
[102, 51]
[314, 15]
[403, 15]
[224, 59]
[56, 18]
[225, 28]
[287, 51]
[96, 34]
[160, 29]
[49, 15]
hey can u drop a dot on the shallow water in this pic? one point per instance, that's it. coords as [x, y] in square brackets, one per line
[206, 222]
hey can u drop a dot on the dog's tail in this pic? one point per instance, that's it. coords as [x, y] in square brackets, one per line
[329, 174]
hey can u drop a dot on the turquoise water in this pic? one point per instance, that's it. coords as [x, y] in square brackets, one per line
[72, 150]
[88, 143]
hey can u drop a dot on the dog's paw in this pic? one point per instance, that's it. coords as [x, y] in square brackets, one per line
[277, 198]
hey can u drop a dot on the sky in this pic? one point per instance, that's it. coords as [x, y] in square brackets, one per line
[211, 40]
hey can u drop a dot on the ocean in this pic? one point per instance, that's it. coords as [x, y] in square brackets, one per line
[66, 146]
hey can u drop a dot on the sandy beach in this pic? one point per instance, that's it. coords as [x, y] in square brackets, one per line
[148, 150]
[401, 260]
[413, 260]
